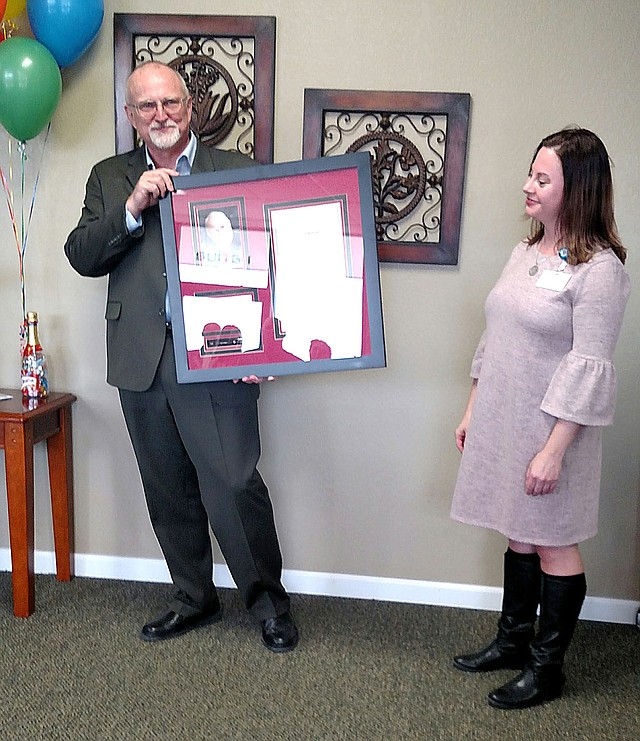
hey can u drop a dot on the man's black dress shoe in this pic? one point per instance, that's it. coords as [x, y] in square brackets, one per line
[279, 634]
[172, 625]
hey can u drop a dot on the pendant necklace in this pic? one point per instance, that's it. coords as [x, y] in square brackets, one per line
[563, 254]
[534, 268]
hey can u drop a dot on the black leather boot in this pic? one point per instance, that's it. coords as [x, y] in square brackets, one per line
[542, 679]
[510, 649]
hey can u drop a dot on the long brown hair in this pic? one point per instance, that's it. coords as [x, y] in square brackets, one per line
[586, 223]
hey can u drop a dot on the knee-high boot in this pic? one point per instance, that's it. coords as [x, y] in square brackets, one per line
[542, 679]
[510, 648]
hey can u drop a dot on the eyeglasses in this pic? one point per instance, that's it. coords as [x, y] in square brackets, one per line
[147, 109]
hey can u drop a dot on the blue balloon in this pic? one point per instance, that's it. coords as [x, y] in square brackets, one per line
[66, 28]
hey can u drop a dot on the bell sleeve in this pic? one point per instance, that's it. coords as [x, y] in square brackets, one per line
[584, 385]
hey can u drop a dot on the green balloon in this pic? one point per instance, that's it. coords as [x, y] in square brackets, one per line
[30, 86]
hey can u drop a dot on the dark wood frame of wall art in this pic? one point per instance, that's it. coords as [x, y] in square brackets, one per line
[262, 28]
[456, 106]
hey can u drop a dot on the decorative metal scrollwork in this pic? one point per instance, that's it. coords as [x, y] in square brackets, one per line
[417, 142]
[215, 97]
[228, 63]
[407, 162]
[219, 75]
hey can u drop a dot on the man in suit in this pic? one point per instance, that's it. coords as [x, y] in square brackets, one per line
[197, 445]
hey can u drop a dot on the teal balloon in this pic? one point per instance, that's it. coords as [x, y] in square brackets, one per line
[66, 27]
[30, 87]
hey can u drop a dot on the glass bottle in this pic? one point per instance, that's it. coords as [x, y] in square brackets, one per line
[35, 384]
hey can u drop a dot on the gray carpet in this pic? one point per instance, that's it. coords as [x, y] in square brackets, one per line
[363, 670]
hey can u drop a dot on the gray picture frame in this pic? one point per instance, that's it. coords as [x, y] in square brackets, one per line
[286, 268]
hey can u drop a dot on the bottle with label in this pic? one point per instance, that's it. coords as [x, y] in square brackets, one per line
[35, 384]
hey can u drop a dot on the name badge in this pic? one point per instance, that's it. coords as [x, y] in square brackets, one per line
[554, 280]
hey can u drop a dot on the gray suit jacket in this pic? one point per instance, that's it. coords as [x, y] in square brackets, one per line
[101, 245]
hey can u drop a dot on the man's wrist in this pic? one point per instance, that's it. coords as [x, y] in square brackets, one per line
[133, 224]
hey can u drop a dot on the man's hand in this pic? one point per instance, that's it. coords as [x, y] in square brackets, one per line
[150, 188]
[253, 379]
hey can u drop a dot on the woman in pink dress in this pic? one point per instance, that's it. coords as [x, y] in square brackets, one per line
[543, 387]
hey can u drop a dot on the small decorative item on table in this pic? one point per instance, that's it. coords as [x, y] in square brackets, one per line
[35, 384]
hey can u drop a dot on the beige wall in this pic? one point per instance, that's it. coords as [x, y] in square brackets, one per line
[361, 465]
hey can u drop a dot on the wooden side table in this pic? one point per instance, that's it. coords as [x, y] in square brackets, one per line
[22, 425]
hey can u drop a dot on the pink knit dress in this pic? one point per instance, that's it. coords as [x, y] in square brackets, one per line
[545, 354]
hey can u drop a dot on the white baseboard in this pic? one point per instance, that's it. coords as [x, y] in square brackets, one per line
[410, 591]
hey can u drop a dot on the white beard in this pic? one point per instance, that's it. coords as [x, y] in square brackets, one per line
[165, 137]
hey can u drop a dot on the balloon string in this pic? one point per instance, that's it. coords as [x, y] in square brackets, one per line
[35, 186]
[9, 196]
[22, 150]
[21, 236]
[7, 192]
[7, 27]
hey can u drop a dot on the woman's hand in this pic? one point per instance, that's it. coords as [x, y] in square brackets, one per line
[461, 429]
[544, 470]
[542, 474]
[461, 433]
